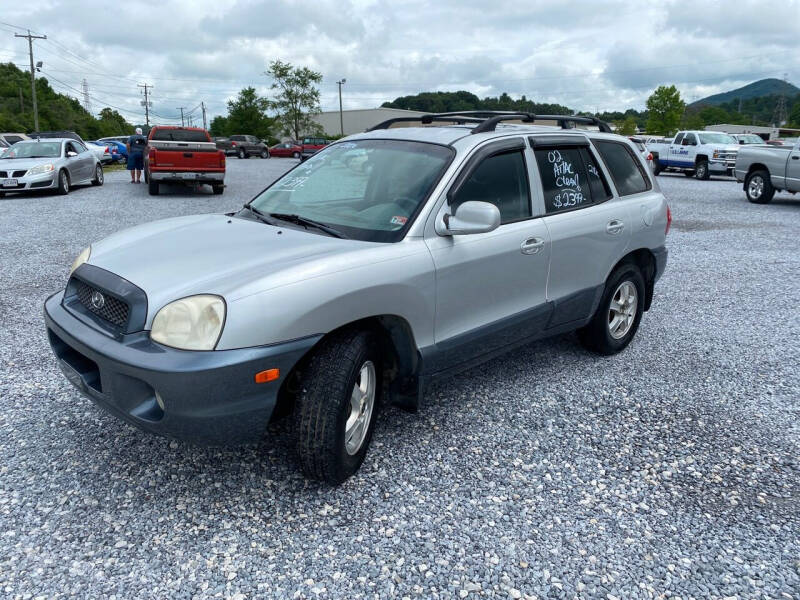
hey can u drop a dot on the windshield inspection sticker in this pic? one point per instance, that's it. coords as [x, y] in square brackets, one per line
[398, 220]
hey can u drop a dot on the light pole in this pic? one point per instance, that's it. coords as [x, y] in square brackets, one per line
[341, 119]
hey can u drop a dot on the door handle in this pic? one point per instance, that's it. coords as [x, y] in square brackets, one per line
[532, 245]
[796, 157]
[614, 227]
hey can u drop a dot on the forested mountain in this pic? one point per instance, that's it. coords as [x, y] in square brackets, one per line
[758, 89]
[56, 111]
[438, 102]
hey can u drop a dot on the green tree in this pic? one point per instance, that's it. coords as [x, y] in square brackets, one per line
[247, 114]
[113, 123]
[794, 115]
[219, 126]
[296, 97]
[627, 126]
[665, 109]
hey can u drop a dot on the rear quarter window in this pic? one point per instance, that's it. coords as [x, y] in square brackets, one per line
[570, 178]
[625, 169]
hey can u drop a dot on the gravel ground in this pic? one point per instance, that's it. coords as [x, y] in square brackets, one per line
[670, 470]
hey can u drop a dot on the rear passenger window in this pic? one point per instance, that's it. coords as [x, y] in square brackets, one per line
[570, 178]
[625, 168]
[501, 180]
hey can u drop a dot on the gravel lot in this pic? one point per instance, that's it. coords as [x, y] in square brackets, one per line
[670, 470]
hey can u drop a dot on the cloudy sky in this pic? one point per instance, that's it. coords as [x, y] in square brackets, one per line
[601, 55]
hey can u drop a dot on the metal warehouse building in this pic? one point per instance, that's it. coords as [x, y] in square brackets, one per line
[358, 120]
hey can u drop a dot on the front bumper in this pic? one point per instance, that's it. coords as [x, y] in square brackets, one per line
[187, 177]
[722, 167]
[208, 397]
[31, 183]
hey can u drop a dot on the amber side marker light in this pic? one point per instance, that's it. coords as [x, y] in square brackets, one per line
[268, 375]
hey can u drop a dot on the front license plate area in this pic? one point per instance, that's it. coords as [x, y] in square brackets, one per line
[10, 183]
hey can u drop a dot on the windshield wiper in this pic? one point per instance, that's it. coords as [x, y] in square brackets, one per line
[259, 215]
[306, 222]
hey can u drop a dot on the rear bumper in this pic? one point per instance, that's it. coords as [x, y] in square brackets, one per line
[660, 255]
[187, 176]
[208, 397]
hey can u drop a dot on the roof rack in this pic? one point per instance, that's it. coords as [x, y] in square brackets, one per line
[488, 120]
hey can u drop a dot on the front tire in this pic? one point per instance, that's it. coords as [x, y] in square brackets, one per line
[98, 176]
[63, 182]
[758, 187]
[265, 153]
[242, 153]
[295, 155]
[701, 170]
[337, 404]
[617, 318]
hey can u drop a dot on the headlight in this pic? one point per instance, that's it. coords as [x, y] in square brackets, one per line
[193, 323]
[39, 169]
[716, 153]
[82, 258]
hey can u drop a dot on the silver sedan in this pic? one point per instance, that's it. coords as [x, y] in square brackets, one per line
[58, 163]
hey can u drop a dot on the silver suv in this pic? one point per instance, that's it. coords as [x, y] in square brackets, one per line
[387, 260]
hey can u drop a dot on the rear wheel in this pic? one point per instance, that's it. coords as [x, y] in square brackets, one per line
[758, 187]
[63, 182]
[152, 187]
[617, 318]
[218, 189]
[701, 170]
[336, 408]
[295, 155]
[98, 176]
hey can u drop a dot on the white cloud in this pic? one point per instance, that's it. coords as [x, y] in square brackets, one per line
[586, 55]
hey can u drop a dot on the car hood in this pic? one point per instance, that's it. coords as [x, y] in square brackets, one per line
[216, 254]
[23, 164]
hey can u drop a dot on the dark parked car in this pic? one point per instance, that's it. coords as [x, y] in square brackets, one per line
[224, 144]
[286, 150]
[249, 145]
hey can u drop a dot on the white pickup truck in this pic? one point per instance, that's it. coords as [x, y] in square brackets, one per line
[696, 153]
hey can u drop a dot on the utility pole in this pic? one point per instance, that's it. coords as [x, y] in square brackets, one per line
[180, 108]
[340, 83]
[146, 102]
[203, 106]
[780, 116]
[33, 73]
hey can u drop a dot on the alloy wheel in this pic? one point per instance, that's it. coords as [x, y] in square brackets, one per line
[362, 403]
[622, 311]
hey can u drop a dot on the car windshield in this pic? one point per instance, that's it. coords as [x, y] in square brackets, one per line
[369, 190]
[750, 139]
[716, 138]
[34, 150]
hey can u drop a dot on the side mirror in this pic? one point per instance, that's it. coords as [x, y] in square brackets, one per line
[471, 217]
[70, 154]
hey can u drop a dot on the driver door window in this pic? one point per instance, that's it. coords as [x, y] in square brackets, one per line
[501, 180]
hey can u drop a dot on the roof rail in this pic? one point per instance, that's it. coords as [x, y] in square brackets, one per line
[488, 120]
[427, 120]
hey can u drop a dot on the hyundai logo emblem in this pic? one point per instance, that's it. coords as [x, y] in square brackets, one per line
[98, 300]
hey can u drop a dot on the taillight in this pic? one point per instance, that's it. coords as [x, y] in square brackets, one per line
[233, 143]
[669, 220]
[151, 156]
[222, 159]
[650, 156]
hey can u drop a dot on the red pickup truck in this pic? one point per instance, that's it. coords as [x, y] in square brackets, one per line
[183, 155]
